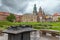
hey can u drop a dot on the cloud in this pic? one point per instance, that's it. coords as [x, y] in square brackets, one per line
[14, 4]
[26, 6]
[47, 5]
[51, 6]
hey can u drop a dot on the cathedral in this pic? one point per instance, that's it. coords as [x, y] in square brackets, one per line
[35, 16]
[40, 14]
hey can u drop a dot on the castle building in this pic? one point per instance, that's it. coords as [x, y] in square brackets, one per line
[35, 17]
[56, 16]
[18, 18]
[3, 15]
[29, 18]
[49, 18]
[39, 16]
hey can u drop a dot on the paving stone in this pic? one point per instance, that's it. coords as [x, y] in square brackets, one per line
[48, 37]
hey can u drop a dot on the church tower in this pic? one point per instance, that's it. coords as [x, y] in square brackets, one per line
[35, 10]
[41, 12]
[41, 15]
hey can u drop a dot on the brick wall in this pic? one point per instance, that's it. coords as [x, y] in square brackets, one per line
[3, 16]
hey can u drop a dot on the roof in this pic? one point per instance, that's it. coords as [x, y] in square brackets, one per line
[56, 14]
[4, 13]
[18, 31]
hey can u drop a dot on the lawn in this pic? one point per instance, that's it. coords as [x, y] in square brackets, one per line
[36, 25]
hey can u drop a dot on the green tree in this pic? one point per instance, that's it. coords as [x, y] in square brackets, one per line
[59, 19]
[11, 17]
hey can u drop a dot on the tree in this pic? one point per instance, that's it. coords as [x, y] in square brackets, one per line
[59, 19]
[11, 17]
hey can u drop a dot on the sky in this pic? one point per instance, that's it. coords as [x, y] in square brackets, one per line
[26, 6]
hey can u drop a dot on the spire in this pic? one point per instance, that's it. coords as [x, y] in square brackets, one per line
[35, 10]
[40, 9]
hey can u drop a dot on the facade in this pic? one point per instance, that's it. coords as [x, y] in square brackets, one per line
[3, 16]
[49, 18]
[18, 18]
[29, 18]
[56, 16]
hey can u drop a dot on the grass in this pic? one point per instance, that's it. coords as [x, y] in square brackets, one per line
[37, 25]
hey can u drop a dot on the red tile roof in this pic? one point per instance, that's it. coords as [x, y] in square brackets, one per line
[4, 13]
[56, 14]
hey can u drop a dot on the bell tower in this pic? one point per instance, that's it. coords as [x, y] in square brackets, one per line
[35, 10]
[41, 12]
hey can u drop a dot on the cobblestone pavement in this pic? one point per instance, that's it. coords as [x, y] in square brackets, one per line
[34, 36]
